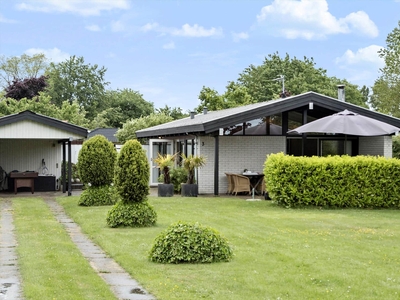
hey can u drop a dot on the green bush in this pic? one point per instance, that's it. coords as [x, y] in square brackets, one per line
[96, 161]
[98, 195]
[140, 214]
[334, 181]
[396, 146]
[178, 175]
[132, 173]
[190, 243]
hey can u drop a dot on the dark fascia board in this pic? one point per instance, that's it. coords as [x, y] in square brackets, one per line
[31, 116]
[247, 113]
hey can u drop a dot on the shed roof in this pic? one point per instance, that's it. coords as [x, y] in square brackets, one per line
[109, 133]
[29, 116]
[213, 120]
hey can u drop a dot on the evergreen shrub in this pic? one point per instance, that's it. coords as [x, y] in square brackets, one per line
[178, 175]
[96, 161]
[98, 195]
[333, 181]
[185, 242]
[139, 214]
[132, 173]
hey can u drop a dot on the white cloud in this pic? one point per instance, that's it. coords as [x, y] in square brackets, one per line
[238, 36]
[170, 45]
[93, 27]
[117, 26]
[185, 31]
[55, 55]
[311, 19]
[5, 20]
[81, 7]
[361, 56]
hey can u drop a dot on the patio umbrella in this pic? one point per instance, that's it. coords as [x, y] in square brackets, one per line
[347, 122]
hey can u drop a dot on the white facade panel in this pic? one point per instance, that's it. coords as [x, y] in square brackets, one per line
[31, 130]
[27, 155]
[376, 145]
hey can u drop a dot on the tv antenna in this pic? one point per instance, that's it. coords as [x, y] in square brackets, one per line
[282, 78]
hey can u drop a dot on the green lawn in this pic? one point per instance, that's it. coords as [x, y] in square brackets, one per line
[279, 253]
[51, 266]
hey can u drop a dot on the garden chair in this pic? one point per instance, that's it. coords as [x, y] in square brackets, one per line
[231, 183]
[242, 184]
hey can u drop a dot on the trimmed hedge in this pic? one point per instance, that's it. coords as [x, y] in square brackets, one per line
[333, 181]
[98, 195]
[190, 243]
[140, 214]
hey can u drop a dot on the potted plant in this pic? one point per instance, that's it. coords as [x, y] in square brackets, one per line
[191, 163]
[164, 163]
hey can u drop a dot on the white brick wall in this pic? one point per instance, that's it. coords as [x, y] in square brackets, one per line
[235, 155]
[376, 145]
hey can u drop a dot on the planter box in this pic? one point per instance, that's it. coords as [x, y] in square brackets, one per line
[189, 190]
[165, 190]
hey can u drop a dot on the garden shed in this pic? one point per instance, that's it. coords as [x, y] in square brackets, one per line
[240, 138]
[37, 143]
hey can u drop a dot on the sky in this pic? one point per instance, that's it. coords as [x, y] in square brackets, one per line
[168, 50]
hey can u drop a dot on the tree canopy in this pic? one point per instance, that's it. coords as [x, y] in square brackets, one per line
[385, 96]
[73, 80]
[26, 88]
[21, 67]
[264, 83]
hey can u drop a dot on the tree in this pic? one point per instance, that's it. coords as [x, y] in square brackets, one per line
[128, 130]
[26, 88]
[73, 80]
[385, 96]
[69, 112]
[21, 67]
[123, 105]
[176, 112]
[265, 82]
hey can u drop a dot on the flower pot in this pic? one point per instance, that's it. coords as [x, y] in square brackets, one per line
[189, 190]
[165, 190]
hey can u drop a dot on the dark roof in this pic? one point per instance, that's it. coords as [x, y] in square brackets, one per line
[213, 120]
[38, 118]
[109, 133]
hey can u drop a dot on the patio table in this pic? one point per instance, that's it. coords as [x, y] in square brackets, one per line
[255, 179]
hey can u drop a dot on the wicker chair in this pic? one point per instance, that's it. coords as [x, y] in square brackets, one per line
[231, 183]
[261, 187]
[242, 184]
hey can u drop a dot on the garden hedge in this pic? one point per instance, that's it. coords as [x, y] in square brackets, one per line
[334, 181]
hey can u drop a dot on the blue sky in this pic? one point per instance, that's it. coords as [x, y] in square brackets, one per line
[169, 50]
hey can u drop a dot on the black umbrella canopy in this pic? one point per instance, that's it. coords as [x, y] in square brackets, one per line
[347, 122]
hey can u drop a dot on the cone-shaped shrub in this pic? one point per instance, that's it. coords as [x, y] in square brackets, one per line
[96, 161]
[132, 173]
[190, 243]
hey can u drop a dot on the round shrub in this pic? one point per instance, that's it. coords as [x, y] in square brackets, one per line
[96, 161]
[140, 214]
[190, 243]
[132, 173]
[98, 195]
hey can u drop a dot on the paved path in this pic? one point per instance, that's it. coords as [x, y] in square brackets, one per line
[10, 281]
[120, 282]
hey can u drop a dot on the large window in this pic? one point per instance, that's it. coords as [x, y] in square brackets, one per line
[271, 125]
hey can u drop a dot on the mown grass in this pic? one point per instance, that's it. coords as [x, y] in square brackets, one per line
[279, 253]
[51, 266]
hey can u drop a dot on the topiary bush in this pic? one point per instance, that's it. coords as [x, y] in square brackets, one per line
[96, 161]
[132, 174]
[98, 195]
[139, 214]
[190, 243]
